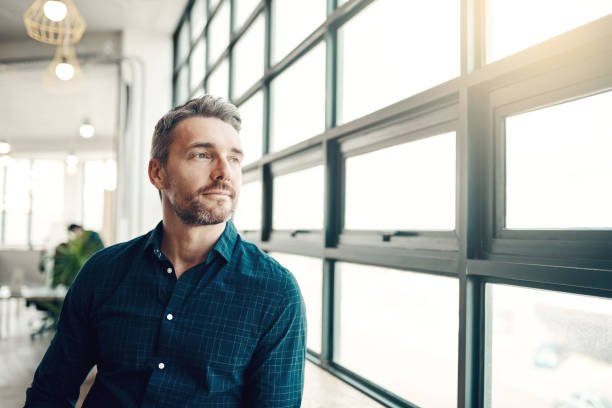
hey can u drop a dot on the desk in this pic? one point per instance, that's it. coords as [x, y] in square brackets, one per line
[11, 306]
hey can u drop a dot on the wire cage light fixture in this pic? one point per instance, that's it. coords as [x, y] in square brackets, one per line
[54, 22]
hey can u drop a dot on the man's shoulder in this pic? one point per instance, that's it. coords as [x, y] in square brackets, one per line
[258, 267]
[113, 259]
[119, 251]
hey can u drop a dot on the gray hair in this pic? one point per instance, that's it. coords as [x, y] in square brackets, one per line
[207, 106]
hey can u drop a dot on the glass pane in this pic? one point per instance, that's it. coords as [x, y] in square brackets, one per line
[219, 32]
[298, 100]
[18, 182]
[213, 4]
[538, 21]
[547, 349]
[403, 335]
[93, 194]
[309, 274]
[248, 213]
[199, 91]
[47, 200]
[182, 43]
[423, 200]
[249, 57]
[244, 8]
[198, 18]
[218, 81]
[372, 76]
[16, 233]
[292, 22]
[196, 63]
[110, 175]
[251, 133]
[558, 167]
[299, 193]
[181, 86]
[18, 202]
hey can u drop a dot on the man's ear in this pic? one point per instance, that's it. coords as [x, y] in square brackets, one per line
[157, 174]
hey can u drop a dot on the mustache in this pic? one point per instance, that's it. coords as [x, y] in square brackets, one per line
[217, 185]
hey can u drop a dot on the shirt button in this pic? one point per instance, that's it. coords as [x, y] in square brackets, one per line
[169, 270]
[169, 316]
[161, 366]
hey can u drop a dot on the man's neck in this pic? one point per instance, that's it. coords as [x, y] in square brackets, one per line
[188, 245]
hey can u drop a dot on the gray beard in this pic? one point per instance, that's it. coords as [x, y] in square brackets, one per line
[196, 214]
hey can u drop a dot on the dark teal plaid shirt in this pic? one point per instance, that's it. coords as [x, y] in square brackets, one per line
[229, 333]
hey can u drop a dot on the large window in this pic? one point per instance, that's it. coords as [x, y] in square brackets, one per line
[436, 177]
[309, 275]
[419, 193]
[553, 178]
[539, 21]
[363, 55]
[400, 329]
[547, 348]
[40, 198]
[298, 106]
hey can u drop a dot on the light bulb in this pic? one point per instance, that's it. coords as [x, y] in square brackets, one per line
[64, 71]
[87, 130]
[72, 160]
[5, 147]
[55, 10]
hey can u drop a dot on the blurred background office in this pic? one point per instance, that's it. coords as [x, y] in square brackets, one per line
[436, 175]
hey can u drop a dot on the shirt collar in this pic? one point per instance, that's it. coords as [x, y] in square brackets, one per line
[224, 246]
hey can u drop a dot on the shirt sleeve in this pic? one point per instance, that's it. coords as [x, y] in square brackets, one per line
[71, 353]
[275, 377]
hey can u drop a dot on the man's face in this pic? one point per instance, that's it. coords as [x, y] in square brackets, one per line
[203, 172]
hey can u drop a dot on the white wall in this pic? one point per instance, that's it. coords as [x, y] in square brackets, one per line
[138, 206]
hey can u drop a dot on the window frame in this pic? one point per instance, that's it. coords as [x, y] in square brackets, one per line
[477, 252]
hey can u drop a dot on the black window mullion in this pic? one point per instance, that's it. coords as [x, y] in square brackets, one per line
[230, 52]
[330, 321]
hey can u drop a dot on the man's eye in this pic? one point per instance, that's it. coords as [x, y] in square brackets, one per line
[202, 155]
[235, 159]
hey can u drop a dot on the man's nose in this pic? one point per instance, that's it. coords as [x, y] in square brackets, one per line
[221, 171]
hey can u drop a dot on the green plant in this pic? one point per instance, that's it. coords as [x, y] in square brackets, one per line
[68, 259]
[71, 256]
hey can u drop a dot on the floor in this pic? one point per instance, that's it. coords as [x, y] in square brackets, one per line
[19, 356]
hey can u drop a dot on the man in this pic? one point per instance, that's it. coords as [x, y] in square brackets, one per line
[188, 315]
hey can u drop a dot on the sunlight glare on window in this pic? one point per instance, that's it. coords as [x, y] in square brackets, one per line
[558, 167]
[399, 329]
[219, 32]
[218, 81]
[299, 193]
[248, 214]
[298, 100]
[417, 190]
[394, 49]
[249, 57]
[292, 21]
[513, 25]
[251, 133]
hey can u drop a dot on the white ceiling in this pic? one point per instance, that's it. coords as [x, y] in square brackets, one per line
[36, 117]
[52, 107]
